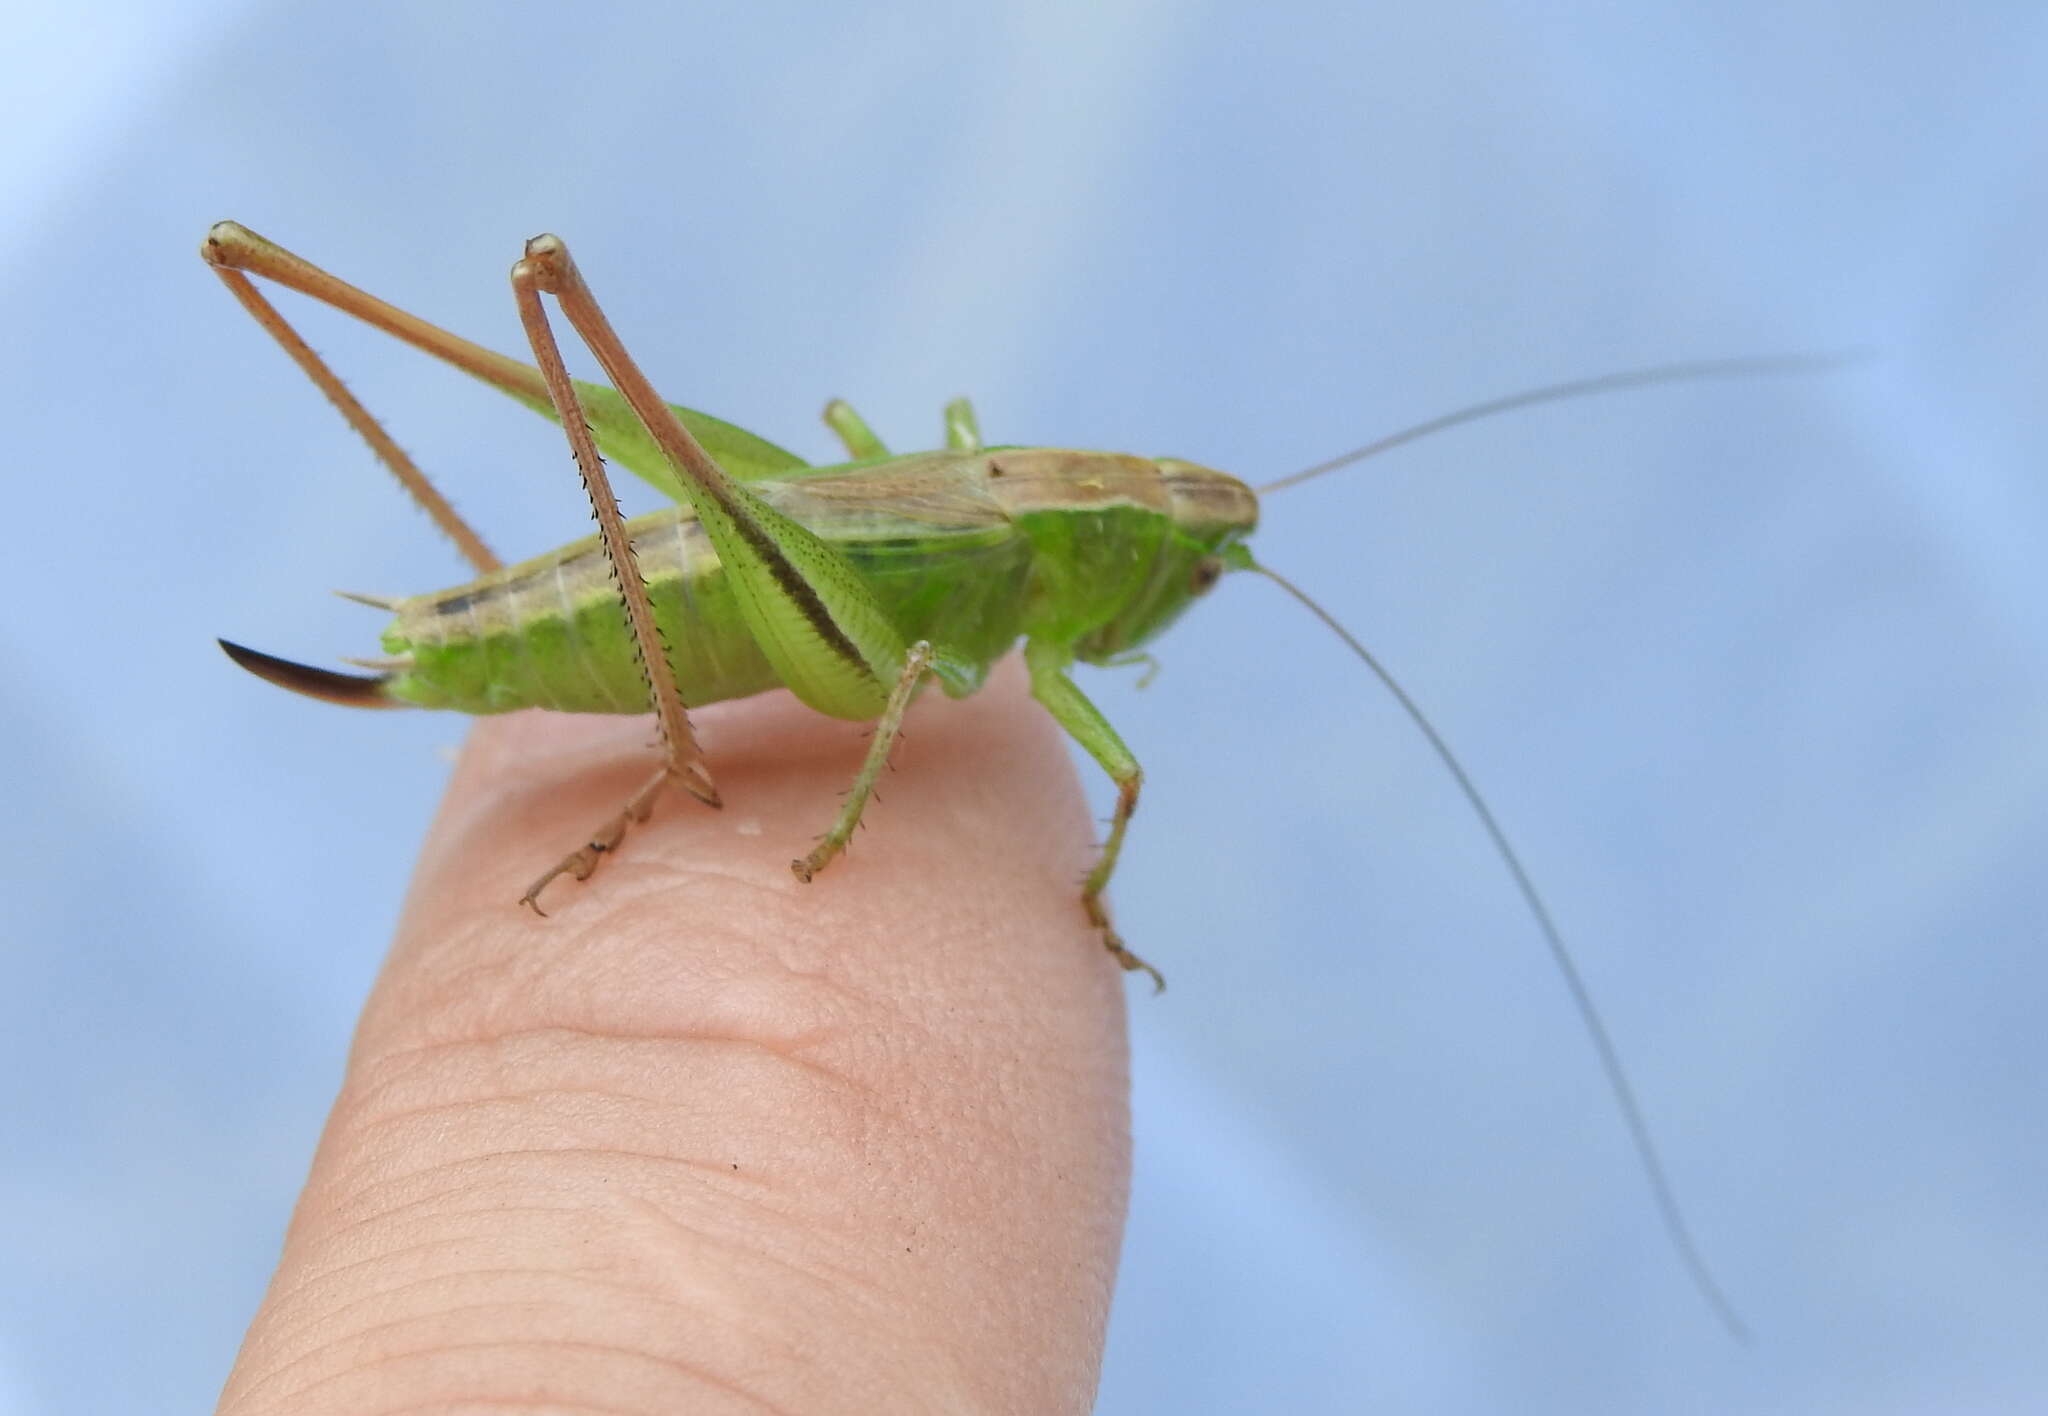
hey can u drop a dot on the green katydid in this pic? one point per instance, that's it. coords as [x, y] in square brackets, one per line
[850, 585]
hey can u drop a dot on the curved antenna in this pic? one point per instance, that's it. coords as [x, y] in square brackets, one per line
[1577, 388]
[1632, 1116]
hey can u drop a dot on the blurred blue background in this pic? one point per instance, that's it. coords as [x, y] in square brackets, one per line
[1756, 673]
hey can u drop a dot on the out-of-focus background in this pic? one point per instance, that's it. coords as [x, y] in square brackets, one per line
[1755, 672]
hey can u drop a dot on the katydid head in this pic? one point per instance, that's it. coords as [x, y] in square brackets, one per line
[1209, 513]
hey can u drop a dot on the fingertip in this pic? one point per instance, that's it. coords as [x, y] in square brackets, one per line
[880, 1119]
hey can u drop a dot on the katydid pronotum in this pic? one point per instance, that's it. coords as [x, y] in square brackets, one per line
[851, 585]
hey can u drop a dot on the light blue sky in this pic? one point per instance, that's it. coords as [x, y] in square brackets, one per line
[1756, 673]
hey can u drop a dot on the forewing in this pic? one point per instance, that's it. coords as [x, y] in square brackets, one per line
[623, 441]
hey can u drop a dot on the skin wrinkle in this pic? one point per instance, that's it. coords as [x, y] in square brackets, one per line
[552, 1153]
[562, 972]
[478, 1101]
[324, 1276]
[318, 1274]
[745, 1046]
[726, 1194]
[467, 1185]
[699, 1312]
[325, 1317]
[827, 1001]
[721, 1169]
[365, 1094]
[360, 1337]
[695, 1312]
[402, 1211]
[823, 1282]
[539, 1098]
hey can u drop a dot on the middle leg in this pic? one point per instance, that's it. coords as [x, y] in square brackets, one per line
[1084, 723]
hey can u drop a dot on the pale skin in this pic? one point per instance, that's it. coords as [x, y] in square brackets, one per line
[708, 1140]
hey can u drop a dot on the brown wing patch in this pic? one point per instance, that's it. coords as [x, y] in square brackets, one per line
[921, 493]
[1058, 479]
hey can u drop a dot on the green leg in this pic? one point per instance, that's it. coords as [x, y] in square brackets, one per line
[963, 429]
[1084, 723]
[853, 430]
[916, 664]
[1136, 658]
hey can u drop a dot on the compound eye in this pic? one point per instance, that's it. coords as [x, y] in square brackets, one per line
[1208, 570]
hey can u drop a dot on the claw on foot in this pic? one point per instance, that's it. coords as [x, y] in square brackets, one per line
[579, 863]
[1098, 915]
[583, 861]
[829, 847]
[1131, 962]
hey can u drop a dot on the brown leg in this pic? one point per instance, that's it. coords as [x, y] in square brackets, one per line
[531, 278]
[605, 839]
[231, 250]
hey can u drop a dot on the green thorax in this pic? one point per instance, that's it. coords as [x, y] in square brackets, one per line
[971, 550]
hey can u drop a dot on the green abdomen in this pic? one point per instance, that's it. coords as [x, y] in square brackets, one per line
[551, 632]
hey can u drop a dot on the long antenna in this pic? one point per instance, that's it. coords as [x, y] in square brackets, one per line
[1675, 1227]
[1579, 388]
